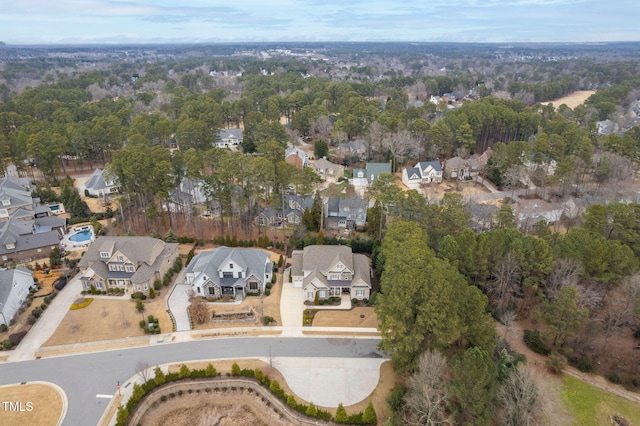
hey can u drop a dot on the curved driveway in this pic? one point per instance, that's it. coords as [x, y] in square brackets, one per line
[84, 376]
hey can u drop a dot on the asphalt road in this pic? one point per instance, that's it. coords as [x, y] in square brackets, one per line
[84, 376]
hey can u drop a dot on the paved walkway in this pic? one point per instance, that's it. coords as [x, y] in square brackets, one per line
[49, 321]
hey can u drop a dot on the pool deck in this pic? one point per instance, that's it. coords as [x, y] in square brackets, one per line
[69, 245]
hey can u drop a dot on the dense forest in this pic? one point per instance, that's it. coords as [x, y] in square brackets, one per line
[153, 119]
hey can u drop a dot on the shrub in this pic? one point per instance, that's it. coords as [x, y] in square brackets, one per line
[267, 320]
[3, 328]
[163, 398]
[585, 365]
[267, 292]
[341, 414]
[614, 377]
[556, 363]
[157, 284]
[16, 338]
[184, 371]
[369, 416]
[6, 344]
[83, 304]
[533, 342]
[235, 369]
[152, 293]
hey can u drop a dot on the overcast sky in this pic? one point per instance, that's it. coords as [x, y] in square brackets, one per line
[150, 21]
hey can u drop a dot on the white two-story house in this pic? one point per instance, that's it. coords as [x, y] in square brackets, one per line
[229, 271]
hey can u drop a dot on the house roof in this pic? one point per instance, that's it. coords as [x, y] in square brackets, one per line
[7, 278]
[424, 165]
[413, 173]
[324, 164]
[324, 257]
[226, 133]
[97, 181]
[295, 150]
[315, 261]
[252, 261]
[145, 252]
[374, 169]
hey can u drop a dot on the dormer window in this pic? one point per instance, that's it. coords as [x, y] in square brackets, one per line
[10, 246]
[105, 254]
[6, 202]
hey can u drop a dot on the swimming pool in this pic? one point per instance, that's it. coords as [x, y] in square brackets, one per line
[80, 236]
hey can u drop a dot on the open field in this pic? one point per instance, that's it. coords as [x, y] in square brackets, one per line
[572, 100]
[106, 319]
[592, 406]
[45, 400]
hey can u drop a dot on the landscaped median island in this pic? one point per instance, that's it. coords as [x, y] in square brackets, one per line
[245, 385]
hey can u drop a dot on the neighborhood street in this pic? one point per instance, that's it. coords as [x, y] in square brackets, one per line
[82, 377]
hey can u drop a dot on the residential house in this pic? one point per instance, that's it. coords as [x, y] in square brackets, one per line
[327, 170]
[296, 157]
[229, 271]
[99, 184]
[346, 213]
[294, 206]
[357, 149]
[365, 177]
[331, 271]
[14, 289]
[27, 229]
[229, 138]
[130, 263]
[460, 168]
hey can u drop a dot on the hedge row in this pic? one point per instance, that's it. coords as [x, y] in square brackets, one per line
[368, 416]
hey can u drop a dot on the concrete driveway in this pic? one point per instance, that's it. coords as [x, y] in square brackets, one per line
[291, 309]
[48, 321]
[178, 302]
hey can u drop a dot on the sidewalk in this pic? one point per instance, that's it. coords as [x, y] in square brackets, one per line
[48, 322]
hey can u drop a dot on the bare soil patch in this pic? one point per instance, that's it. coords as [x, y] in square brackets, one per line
[46, 403]
[45, 281]
[107, 319]
[437, 190]
[356, 317]
[572, 100]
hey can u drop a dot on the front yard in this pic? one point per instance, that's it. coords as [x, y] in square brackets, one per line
[106, 319]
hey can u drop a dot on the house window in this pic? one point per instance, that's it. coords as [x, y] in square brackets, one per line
[129, 268]
[6, 202]
[227, 275]
[334, 276]
[104, 255]
[120, 259]
[4, 257]
[39, 250]
[139, 288]
[309, 295]
[212, 291]
[359, 293]
[113, 268]
[322, 294]
[231, 266]
[11, 246]
[121, 268]
[3, 212]
[198, 289]
[98, 285]
[120, 283]
[239, 274]
[253, 286]
[146, 287]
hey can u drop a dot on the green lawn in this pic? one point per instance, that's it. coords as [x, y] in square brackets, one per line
[592, 406]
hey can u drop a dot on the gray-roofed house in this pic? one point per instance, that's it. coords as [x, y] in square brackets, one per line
[366, 176]
[229, 271]
[130, 263]
[424, 172]
[327, 170]
[26, 230]
[100, 184]
[14, 289]
[346, 213]
[297, 157]
[229, 138]
[294, 206]
[356, 149]
[331, 271]
[460, 168]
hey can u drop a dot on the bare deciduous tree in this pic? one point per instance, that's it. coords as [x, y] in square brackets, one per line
[506, 282]
[565, 272]
[143, 370]
[198, 310]
[618, 311]
[427, 395]
[519, 395]
[321, 127]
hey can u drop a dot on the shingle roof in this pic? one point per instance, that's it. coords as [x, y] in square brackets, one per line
[7, 279]
[209, 262]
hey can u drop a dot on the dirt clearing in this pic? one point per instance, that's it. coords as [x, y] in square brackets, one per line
[572, 100]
